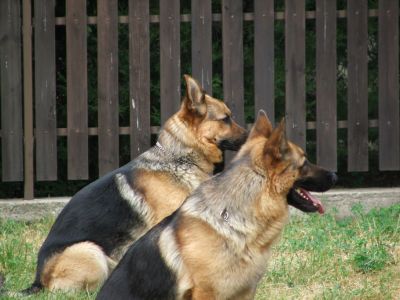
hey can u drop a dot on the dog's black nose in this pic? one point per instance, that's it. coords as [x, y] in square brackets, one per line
[332, 177]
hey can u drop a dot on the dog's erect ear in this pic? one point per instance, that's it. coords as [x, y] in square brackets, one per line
[261, 127]
[277, 144]
[195, 96]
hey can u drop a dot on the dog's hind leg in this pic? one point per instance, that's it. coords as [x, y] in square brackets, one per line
[80, 266]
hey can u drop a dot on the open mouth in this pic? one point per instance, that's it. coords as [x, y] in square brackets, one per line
[303, 200]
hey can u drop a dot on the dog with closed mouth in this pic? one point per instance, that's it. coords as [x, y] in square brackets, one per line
[216, 245]
[95, 228]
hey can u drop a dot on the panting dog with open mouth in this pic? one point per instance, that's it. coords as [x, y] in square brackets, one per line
[216, 245]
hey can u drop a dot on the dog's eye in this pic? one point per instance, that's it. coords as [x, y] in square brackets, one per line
[227, 120]
[304, 167]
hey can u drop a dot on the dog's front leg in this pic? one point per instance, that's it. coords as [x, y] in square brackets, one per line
[247, 294]
[200, 293]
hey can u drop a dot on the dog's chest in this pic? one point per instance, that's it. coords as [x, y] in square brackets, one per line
[242, 274]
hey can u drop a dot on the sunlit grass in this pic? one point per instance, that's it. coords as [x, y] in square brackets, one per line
[318, 257]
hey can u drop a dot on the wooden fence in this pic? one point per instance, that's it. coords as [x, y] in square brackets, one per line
[28, 78]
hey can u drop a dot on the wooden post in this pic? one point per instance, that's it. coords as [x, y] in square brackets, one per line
[107, 76]
[232, 47]
[295, 59]
[388, 51]
[77, 98]
[45, 90]
[139, 76]
[12, 165]
[326, 124]
[357, 87]
[202, 43]
[170, 61]
[28, 107]
[264, 57]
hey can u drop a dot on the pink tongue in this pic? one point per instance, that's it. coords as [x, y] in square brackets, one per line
[314, 200]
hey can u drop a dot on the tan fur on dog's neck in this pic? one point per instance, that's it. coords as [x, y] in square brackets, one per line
[251, 209]
[177, 132]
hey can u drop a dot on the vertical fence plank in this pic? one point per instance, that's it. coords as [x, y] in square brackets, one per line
[389, 135]
[357, 101]
[170, 62]
[45, 90]
[202, 43]
[107, 68]
[11, 90]
[326, 84]
[232, 47]
[28, 99]
[295, 71]
[139, 45]
[77, 90]
[264, 57]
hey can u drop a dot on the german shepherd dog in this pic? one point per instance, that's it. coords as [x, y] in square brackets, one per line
[96, 227]
[216, 245]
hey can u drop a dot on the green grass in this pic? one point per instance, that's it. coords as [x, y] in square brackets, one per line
[318, 257]
[323, 258]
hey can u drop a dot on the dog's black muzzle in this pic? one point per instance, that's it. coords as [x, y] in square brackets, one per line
[322, 181]
[233, 144]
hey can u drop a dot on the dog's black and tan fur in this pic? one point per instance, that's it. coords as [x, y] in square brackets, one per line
[96, 227]
[216, 245]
